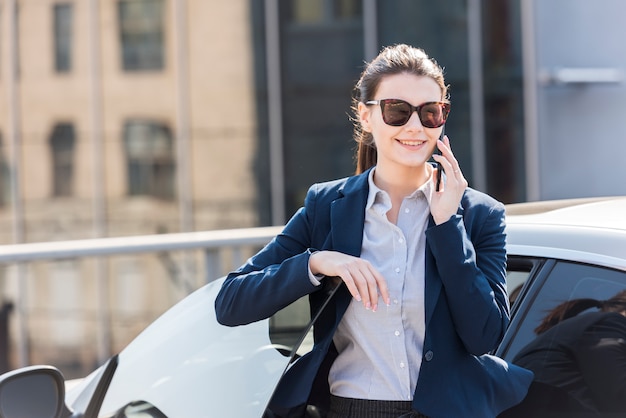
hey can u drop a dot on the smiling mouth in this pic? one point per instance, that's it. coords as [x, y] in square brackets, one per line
[411, 143]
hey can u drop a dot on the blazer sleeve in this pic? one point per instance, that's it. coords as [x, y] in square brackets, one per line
[470, 255]
[273, 278]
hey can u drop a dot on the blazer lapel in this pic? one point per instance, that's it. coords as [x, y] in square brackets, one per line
[347, 216]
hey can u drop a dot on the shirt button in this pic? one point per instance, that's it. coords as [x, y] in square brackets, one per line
[428, 356]
[407, 210]
[400, 240]
[402, 365]
[397, 269]
[395, 301]
[397, 333]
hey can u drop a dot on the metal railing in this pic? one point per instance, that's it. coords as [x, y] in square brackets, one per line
[211, 243]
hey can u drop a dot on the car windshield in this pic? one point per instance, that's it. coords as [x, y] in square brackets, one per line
[186, 364]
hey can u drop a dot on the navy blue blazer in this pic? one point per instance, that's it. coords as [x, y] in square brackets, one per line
[466, 304]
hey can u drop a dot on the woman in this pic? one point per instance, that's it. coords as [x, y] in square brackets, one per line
[581, 354]
[424, 269]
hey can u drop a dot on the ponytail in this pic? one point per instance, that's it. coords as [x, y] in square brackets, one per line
[365, 157]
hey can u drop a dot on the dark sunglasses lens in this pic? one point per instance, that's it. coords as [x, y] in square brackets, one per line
[433, 115]
[396, 112]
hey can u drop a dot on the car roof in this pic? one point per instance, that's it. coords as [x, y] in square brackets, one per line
[587, 230]
[604, 212]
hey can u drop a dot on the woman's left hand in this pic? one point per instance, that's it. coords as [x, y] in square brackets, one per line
[445, 202]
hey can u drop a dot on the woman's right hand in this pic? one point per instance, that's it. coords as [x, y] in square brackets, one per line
[363, 281]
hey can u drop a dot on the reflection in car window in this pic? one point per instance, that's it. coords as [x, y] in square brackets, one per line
[578, 353]
[565, 281]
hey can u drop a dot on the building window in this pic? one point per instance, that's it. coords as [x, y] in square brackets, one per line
[150, 159]
[62, 148]
[313, 34]
[4, 31]
[141, 34]
[323, 12]
[63, 37]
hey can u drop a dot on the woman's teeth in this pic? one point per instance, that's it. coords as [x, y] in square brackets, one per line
[411, 143]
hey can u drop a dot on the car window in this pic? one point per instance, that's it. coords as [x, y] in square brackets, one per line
[576, 350]
[555, 283]
[519, 270]
[515, 281]
[288, 325]
[292, 328]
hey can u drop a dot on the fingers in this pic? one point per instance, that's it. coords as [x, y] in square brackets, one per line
[447, 159]
[362, 280]
[446, 200]
[366, 284]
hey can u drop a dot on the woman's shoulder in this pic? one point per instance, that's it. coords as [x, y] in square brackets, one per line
[601, 325]
[615, 319]
[591, 321]
[342, 186]
[473, 198]
[325, 186]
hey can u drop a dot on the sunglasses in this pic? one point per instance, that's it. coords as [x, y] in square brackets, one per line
[397, 112]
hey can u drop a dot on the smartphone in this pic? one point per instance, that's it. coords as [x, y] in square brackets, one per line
[439, 169]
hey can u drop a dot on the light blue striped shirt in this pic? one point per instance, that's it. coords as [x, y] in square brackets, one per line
[380, 353]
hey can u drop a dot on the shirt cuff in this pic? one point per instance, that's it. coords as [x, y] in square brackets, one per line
[316, 279]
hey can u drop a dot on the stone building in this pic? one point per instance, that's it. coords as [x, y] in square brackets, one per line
[128, 117]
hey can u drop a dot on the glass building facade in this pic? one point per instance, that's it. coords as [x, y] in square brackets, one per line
[319, 48]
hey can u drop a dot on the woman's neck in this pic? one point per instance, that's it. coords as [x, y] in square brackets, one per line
[402, 181]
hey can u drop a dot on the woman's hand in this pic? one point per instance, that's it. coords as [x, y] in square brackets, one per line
[362, 280]
[445, 202]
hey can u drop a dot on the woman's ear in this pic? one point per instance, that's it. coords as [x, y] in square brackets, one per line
[364, 117]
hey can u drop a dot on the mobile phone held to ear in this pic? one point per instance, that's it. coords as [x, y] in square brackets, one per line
[439, 169]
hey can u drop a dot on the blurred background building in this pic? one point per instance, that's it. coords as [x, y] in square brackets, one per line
[132, 117]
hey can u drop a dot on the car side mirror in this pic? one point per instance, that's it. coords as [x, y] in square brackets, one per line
[34, 391]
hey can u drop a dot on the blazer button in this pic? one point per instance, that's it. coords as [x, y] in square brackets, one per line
[428, 356]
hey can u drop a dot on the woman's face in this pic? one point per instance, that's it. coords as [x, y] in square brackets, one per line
[410, 145]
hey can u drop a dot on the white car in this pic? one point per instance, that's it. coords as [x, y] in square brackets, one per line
[558, 251]
[187, 365]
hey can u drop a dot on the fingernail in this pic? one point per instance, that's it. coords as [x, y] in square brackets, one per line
[358, 298]
[368, 306]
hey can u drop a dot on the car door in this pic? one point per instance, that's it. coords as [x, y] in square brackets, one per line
[540, 285]
[186, 364]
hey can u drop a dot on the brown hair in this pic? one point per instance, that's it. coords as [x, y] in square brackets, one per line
[396, 59]
[575, 306]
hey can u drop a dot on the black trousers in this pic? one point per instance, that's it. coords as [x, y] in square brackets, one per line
[363, 408]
